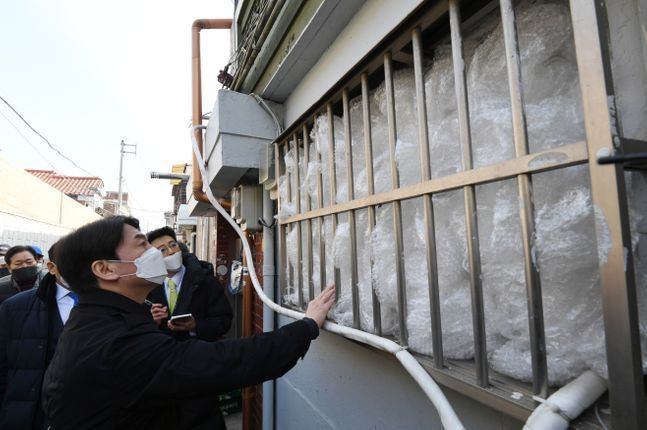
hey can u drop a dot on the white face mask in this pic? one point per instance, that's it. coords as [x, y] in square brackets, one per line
[173, 262]
[150, 266]
[2, 260]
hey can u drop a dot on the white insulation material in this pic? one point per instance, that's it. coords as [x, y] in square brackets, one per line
[565, 247]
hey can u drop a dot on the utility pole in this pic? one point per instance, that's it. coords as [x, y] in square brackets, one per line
[121, 168]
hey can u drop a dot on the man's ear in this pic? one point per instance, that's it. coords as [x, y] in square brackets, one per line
[104, 270]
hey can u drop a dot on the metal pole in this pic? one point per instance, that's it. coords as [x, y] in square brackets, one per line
[122, 152]
[297, 196]
[333, 184]
[268, 314]
[397, 209]
[368, 160]
[351, 214]
[121, 169]
[428, 209]
[526, 210]
[288, 178]
[617, 277]
[306, 161]
[471, 225]
[281, 231]
[320, 227]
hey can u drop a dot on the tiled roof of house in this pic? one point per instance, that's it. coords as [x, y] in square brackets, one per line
[76, 185]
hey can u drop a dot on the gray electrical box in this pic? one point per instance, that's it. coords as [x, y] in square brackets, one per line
[239, 127]
[247, 206]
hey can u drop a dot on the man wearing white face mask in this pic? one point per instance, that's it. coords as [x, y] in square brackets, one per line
[113, 368]
[30, 325]
[190, 288]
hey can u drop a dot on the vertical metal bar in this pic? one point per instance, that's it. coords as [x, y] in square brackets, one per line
[478, 317]
[428, 209]
[526, 209]
[281, 230]
[397, 209]
[368, 160]
[306, 161]
[617, 278]
[320, 227]
[297, 196]
[351, 214]
[288, 178]
[333, 181]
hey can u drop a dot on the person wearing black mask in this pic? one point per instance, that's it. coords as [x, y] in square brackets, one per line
[23, 271]
[3, 265]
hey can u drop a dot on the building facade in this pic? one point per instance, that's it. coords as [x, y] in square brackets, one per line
[443, 163]
[35, 213]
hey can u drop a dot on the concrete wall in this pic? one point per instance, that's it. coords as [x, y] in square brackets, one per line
[341, 384]
[32, 212]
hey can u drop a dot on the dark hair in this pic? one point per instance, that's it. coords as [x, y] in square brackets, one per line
[95, 241]
[51, 253]
[164, 231]
[15, 250]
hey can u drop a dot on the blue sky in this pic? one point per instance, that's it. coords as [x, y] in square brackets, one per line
[87, 74]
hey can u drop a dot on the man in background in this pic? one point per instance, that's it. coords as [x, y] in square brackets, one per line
[30, 325]
[23, 271]
[40, 257]
[190, 288]
[3, 265]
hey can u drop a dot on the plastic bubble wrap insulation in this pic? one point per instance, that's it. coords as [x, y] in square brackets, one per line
[565, 247]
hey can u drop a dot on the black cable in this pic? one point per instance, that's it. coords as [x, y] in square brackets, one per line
[27, 140]
[621, 158]
[45, 139]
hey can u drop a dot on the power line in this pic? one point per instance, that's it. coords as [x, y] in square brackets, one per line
[27, 140]
[45, 139]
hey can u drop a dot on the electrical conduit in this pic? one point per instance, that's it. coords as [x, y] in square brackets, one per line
[431, 389]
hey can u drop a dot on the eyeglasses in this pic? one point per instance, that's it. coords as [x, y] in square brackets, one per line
[173, 246]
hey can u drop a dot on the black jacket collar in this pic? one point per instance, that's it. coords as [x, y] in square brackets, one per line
[46, 290]
[113, 300]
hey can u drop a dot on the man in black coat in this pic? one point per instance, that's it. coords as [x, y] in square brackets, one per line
[190, 288]
[23, 271]
[114, 369]
[30, 325]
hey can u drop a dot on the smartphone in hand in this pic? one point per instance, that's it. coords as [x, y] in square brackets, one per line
[181, 318]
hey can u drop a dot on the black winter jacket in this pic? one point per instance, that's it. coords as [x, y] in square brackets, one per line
[114, 369]
[30, 325]
[201, 295]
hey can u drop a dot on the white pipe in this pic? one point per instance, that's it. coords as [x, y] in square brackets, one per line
[567, 403]
[268, 315]
[447, 415]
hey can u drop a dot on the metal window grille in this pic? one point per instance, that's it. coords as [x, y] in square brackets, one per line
[435, 20]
